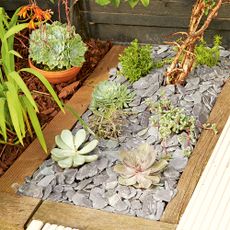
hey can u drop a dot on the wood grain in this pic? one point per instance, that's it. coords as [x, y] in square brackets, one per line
[15, 211]
[209, 205]
[199, 159]
[33, 156]
[156, 7]
[91, 219]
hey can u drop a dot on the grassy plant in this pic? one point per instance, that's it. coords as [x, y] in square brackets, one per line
[18, 110]
[208, 56]
[136, 61]
[107, 124]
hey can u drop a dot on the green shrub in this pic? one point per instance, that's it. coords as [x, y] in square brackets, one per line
[136, 61]
[208, 56]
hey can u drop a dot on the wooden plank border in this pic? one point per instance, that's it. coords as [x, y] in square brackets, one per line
[199, 159]
[92, 219]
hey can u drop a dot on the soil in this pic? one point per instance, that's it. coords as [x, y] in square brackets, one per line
[47, 107]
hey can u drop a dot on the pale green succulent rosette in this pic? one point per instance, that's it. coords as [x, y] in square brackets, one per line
[56, 47]
[109, 94]
[69, 152]
[139, 167]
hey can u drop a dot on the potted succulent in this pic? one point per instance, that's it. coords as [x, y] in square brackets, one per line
[56, 51]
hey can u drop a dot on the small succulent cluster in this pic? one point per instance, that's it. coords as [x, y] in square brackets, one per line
[108, 101]
[136, 61]
[139, 167]
[171, 119]
[108, 95]
[208, 56]
[56, 47]
[70, 152]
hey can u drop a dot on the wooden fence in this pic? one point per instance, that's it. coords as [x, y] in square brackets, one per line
[153, 24]
[150, 25]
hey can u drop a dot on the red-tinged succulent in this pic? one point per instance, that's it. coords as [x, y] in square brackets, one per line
[139, 167]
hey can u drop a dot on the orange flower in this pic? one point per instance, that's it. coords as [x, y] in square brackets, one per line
[35, 14]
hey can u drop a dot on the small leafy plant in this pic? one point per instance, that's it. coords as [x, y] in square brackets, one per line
[208, 56]
[107, 124]
[136, 61]
[139, 167]
[56, 47]
[70, 151]
[18, 110]
[108, 95]
[171, 119]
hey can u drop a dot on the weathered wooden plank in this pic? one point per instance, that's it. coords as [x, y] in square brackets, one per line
[148, 20]
[15, 211]
[91, 219]
[33, 156]
[154, 35]
[156, 7]
[199, 159]
[210, 203]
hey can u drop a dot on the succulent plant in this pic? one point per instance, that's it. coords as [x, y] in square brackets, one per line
[139, 167]
[109, 94]
[56, 47]
[70, 151]
[171, 119]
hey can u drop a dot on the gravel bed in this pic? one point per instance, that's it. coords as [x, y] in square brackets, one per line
[95, 184]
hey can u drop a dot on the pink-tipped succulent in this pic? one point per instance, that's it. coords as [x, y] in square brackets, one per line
[139, 167]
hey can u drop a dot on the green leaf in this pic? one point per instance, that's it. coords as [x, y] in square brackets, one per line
[2, 118]
[103, 2]
[46, 84]
[35, 123]
[21, 84]
[15, 29]
[145, 2]
[15, 111]
[14, 18]
[133, 3]
[15, 53]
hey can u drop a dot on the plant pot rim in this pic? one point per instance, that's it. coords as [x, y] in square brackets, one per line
[50, 71]
[60, 76]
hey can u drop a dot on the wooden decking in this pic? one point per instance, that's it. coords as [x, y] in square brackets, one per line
[16, 212]
[209, 207]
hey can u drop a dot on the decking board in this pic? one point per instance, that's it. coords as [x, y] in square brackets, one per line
[199, 158]
[15, 211]
[209, 205]
[91, 219]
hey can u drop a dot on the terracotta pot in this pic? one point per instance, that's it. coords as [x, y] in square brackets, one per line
[57, 76]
